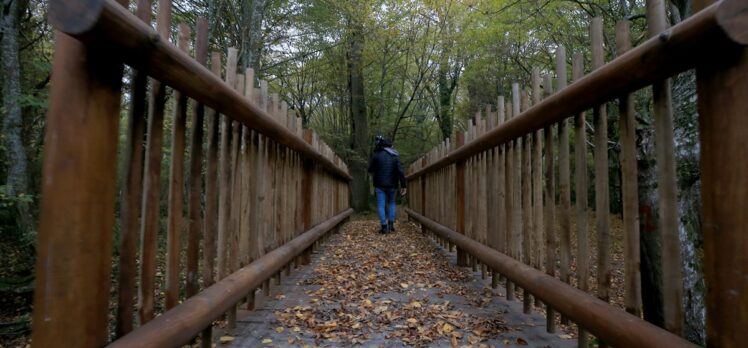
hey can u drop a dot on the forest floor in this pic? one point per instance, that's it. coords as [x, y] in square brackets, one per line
[388, 290]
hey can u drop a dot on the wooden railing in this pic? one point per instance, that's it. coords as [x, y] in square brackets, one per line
[496, 184]
[271, 188]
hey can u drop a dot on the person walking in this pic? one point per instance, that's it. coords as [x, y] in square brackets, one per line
[387, 172]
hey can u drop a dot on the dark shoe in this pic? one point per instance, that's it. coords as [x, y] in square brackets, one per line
[383, 230]
[391, 226]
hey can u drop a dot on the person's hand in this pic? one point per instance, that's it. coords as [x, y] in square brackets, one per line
[403, 191]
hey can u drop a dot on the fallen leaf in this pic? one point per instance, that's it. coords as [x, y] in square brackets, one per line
[521, 341]
[279, 329]
[226, 339]
[267, 341]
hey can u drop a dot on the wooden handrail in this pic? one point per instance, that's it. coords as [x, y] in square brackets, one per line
[610, 324]
[108, 25]
[682, 47]
[179, 325]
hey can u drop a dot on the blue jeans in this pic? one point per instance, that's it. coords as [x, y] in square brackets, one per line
[385, 196]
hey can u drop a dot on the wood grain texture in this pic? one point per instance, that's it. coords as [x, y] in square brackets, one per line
[152, 181]
[549, 218]
[672, 278]
[78, 197]
[627, 123]
[176, 188]
[602, 190]
[197, 132]
[722, 106]
[132, 191]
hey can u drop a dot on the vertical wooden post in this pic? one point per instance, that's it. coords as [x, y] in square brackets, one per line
[672, 279]
[508, 194]
[78, 195]
[196, 158]
[176, 187]
[580, 174]
[494, 221]
[527, 218]
[564, 179]
[602, 199]
[501, 182]
[211, 200]
[248, 236]
[232, 262]
[722, 104]
[306, 194]
[132, 190]
[550, 210]
[632, 285]
[516, 245]
[537, 183]
[224, 170]
[460, 200]
[152, 181]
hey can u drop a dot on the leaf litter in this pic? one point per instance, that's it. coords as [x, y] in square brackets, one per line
[367, 285]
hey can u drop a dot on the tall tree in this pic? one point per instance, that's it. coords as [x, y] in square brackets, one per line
[17, 180]
[359, 121]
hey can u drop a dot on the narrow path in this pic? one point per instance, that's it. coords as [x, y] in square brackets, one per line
[388, 291]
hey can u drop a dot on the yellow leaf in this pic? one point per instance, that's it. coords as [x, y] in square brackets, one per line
[226, 339]
[404, 285]
[447, 328]
[279, 329]
[474, 339]
[412, 320]
[267, 341]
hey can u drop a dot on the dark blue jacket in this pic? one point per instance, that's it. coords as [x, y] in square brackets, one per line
[386, 169]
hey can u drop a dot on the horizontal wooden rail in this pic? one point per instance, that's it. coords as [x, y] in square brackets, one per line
[112, 28]
[612, 325]
[718, 28]
[179, 325]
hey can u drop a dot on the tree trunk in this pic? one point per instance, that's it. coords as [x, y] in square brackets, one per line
[253, 13]
[359, 121]
[17, 180]
[687, 154]
[650, 244]
[445, 102]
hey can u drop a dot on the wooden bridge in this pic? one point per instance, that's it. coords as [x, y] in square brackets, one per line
[274, 193]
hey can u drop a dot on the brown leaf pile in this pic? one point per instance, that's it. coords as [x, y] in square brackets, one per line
[369, 285]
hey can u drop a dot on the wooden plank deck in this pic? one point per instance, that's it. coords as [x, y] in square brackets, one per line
[387, 291]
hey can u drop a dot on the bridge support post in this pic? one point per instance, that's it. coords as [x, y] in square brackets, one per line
[306, 197]
[462, 259]
[722, 88]
[78, 192]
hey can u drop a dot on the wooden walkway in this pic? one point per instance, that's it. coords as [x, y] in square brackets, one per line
[387, 291]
